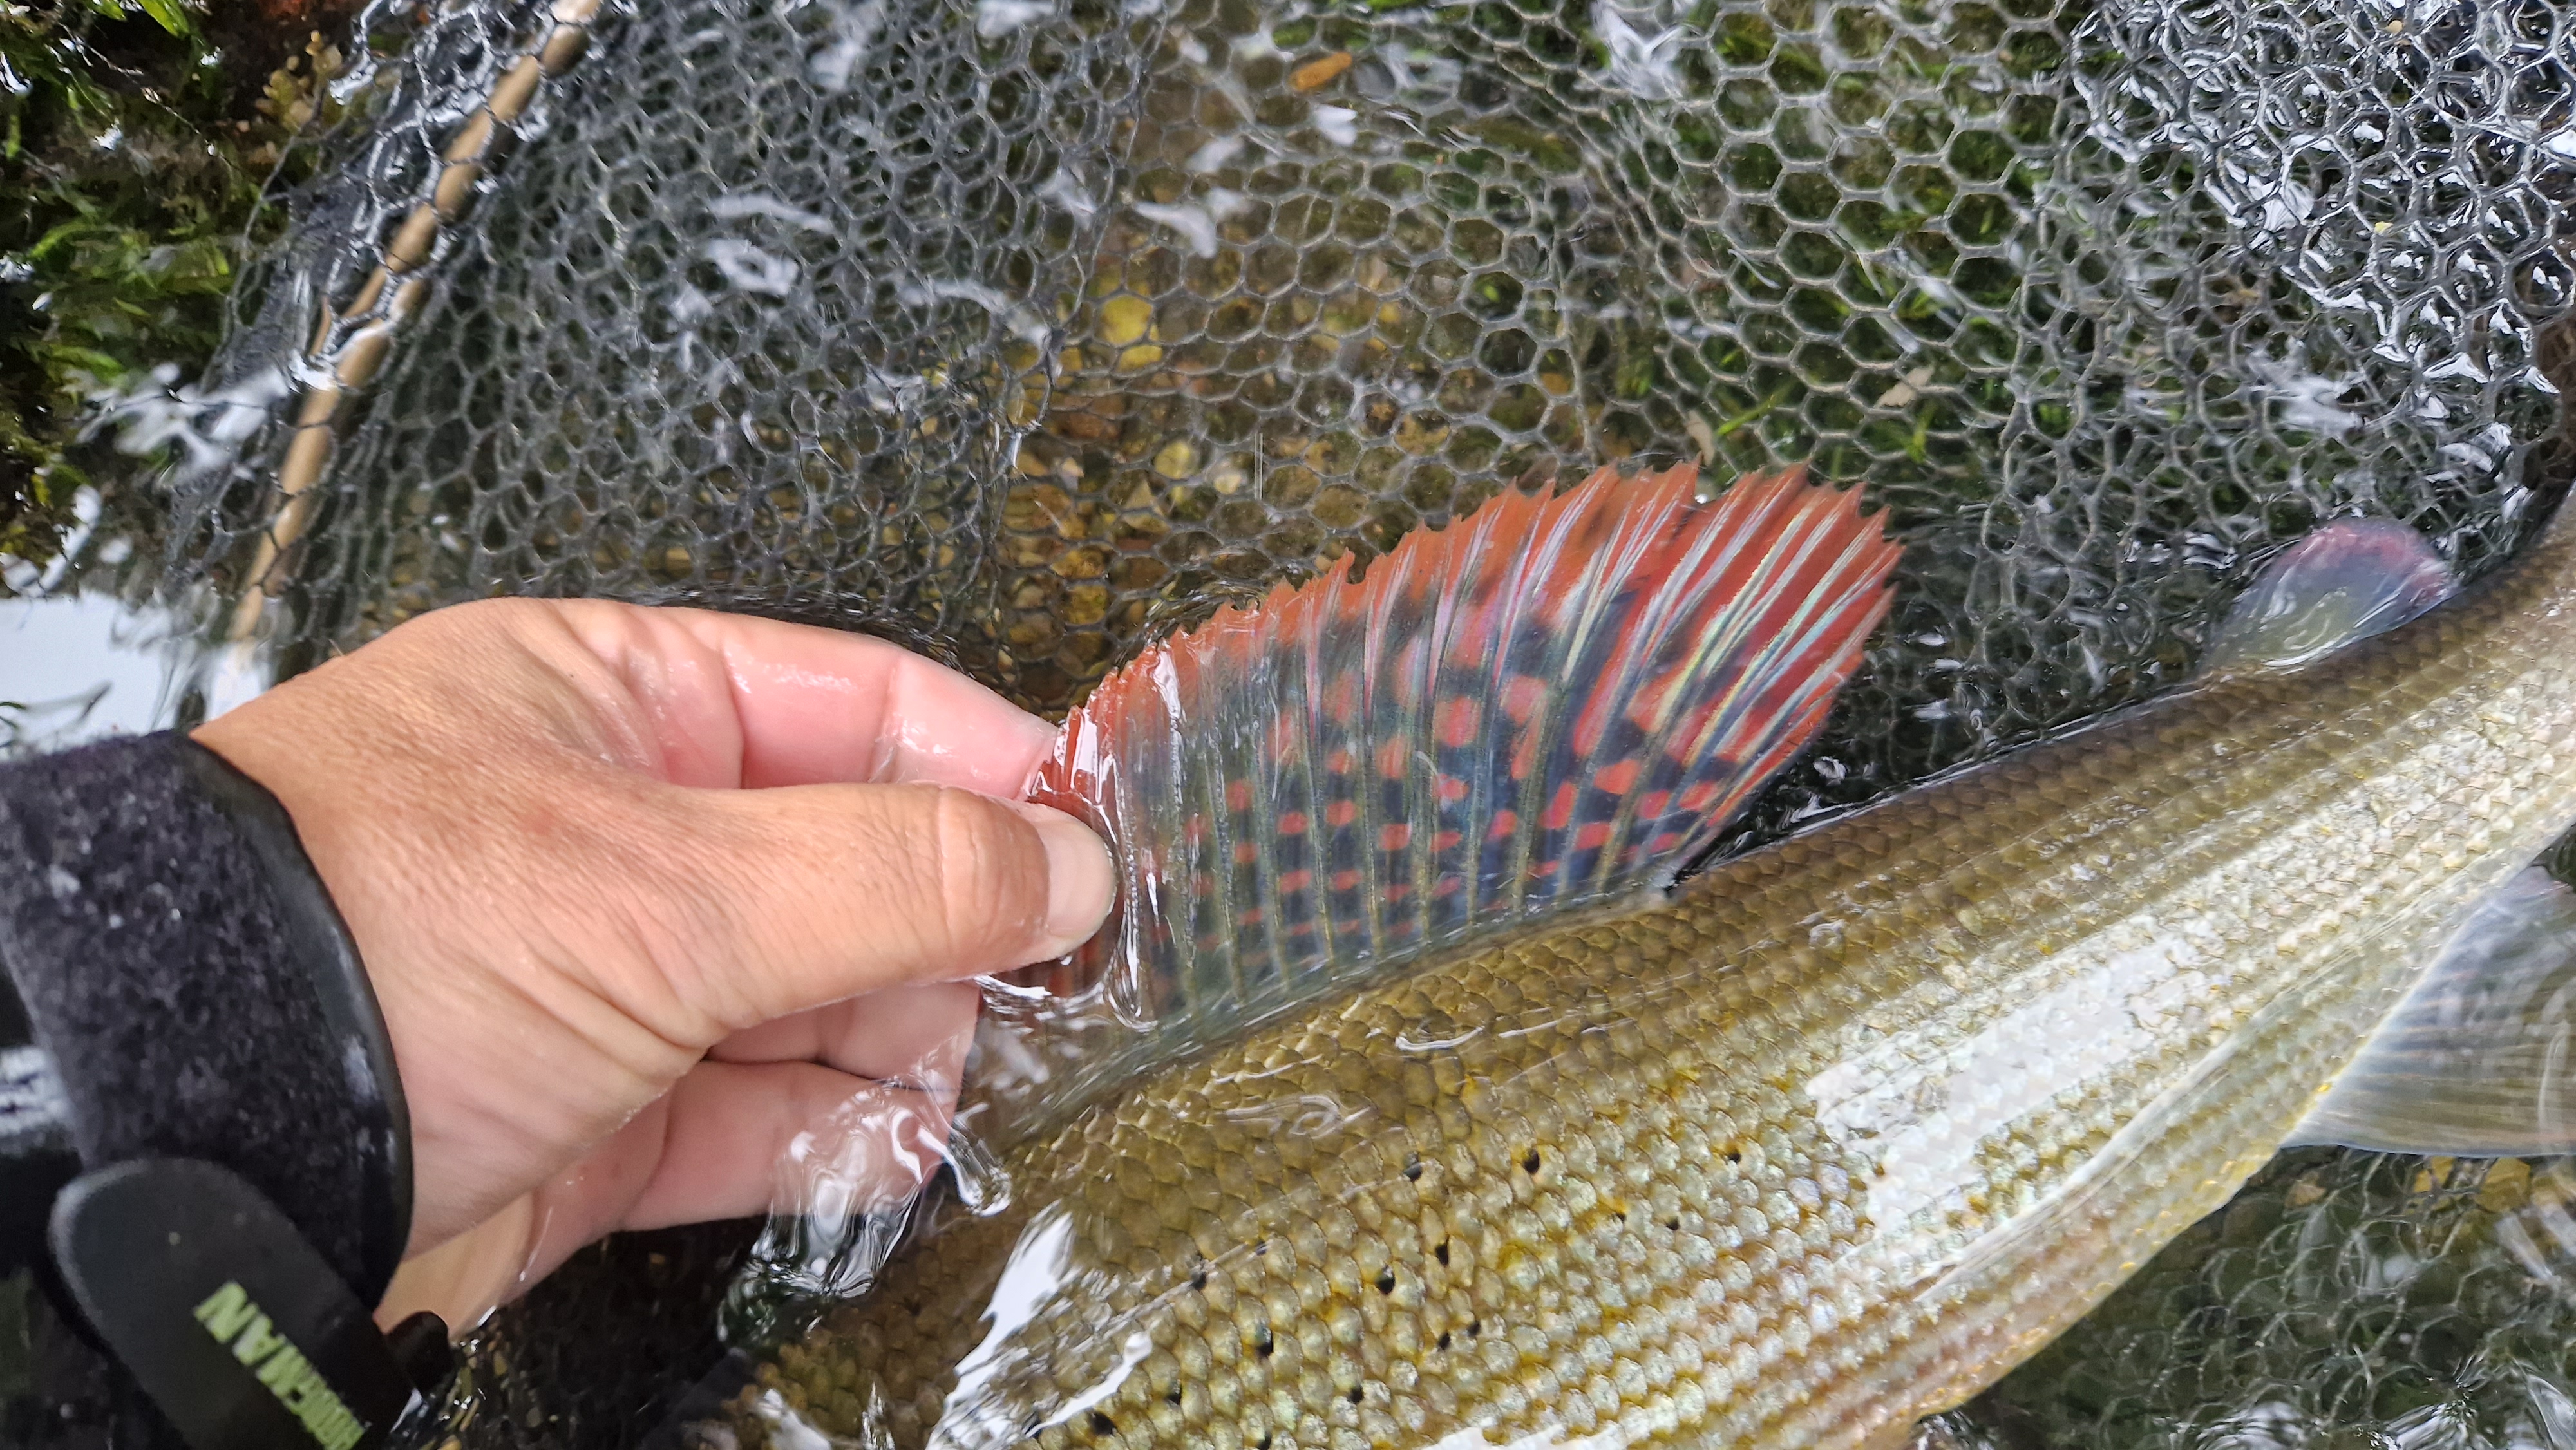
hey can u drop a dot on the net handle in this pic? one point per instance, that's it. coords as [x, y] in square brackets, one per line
[393, 294]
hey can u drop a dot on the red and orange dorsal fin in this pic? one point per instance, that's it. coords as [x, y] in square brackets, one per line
[1548, 703]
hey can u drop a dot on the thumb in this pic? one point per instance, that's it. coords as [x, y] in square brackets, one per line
[798, 896]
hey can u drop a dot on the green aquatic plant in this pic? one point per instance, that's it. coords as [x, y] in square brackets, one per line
[136, 143]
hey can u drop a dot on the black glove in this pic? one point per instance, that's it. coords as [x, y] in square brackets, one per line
[203, 1151]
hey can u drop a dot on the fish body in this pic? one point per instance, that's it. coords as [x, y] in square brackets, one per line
[1818, 1142]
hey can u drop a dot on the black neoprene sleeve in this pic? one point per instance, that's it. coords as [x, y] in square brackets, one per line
[182, 967]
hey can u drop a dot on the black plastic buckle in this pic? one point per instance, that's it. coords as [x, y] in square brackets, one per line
[227, 1317]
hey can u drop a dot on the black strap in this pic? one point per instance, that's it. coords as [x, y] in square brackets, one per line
[224, 1314]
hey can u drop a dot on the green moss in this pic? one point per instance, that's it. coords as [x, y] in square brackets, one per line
[132, 157]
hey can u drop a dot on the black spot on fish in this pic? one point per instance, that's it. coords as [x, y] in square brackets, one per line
[1198, 1278]
[1386, 1281]
[1475, 1328]
[1529, 1164]
[1734, 1155]
[1442, 1253]
[1263, 1443]
[1102, 1425]
[1674, 1223]
[1413, 1166]
[1262, 1344]
[1173, 1397]
[1354, 1396]
[1443, 1341]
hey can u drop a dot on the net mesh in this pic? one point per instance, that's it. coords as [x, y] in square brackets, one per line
[1038, 323]
[2341, 1299]
[1037, 327]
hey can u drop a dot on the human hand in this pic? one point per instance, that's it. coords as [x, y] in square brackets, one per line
[645, 893]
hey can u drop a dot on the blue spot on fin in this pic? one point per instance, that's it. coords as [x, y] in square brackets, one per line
[2349, 580]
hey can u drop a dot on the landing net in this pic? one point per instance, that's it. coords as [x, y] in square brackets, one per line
[1033, 328]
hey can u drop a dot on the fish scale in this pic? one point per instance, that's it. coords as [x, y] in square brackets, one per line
[1821, 1141]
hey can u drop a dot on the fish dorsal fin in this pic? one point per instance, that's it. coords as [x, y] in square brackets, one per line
[2479, 1060]
[2350, 579]
[1542, 706]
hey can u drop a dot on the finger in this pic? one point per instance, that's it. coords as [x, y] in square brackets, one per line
[757, 904]
[916, 1035]
[732, 700]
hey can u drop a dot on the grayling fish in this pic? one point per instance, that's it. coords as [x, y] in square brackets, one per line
[1446, 1120]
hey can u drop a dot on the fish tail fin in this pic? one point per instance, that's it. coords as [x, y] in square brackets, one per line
[2473, 1062]
[1549, 703]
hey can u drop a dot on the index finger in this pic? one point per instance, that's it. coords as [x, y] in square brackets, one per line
[735, 700]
